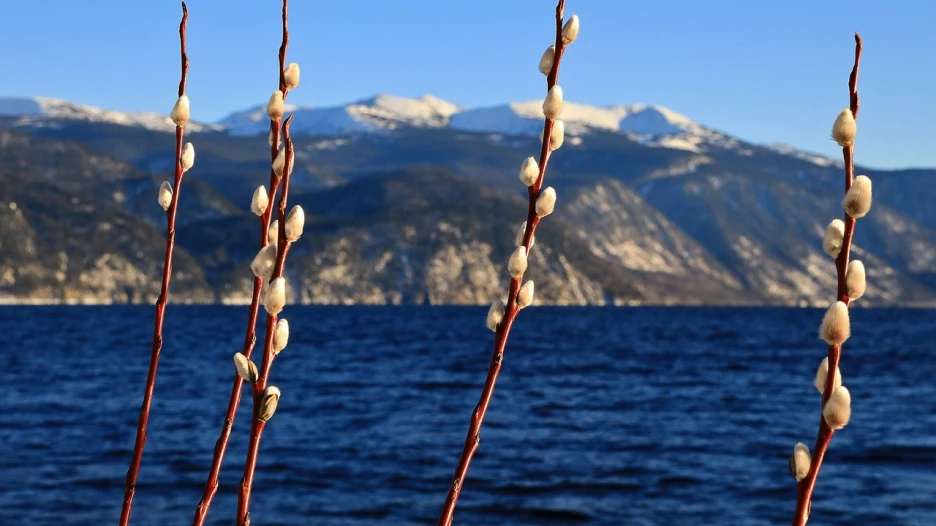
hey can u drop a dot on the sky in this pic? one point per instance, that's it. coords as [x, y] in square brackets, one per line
[767, 72]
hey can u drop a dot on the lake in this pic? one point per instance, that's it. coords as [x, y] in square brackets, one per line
[602, 416]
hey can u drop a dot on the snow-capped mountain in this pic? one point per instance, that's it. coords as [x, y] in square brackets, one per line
[388, 112]
[374, 114]
[46, 112]
[650, 125]
[404, 187]
[653, 126]
[527, 117]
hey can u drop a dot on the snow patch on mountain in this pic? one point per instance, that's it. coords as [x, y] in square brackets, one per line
[526, 118]
[653, 126]
[814, 158]
[42, 111]
[655, 120]
[650, 125]
[387, 112]
[374, 114]
[252, 121]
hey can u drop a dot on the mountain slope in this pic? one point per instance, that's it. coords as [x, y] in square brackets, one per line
[620, 226]
[420, 236]
[378, 113]
[653, 126]
[653, 208]
[47, 112]
[769, 232]
[81, 171]
[460, 231]
[59, 247]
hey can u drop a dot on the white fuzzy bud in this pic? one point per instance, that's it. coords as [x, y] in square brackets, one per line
[187, 160]
[546, 61]
[268, 402]
[800, 461]
[279, 164]
[246, 369]
[845, 128]
[264, 262]
[837, 411]
[275, 297]
[517, 263]
[529, 171]
[857, 201]
[552, 106]
[836, 327]
[276, 107]
[546, 201]
[259, 201]
[495, 315]
[834, 237]
[165, 195]
[525, 295]
[520, 233]
[280, 335]
[180, 111]
[295, 222]
[279, 139]
[570, 30]
[557, 136]
[291, 76]
[822, 374]
[855, 280]
[273, 232]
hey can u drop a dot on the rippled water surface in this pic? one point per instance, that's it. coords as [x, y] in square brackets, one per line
[601, 416]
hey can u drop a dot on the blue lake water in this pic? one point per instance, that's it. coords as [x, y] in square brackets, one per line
[602, 416]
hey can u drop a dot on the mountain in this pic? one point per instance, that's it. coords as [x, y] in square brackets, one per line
[651, 125]
[526, 118]
[378, 113]
[43, 111]
[62, 239]
[417, 201]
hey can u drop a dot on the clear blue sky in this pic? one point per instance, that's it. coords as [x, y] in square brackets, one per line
[763, 71]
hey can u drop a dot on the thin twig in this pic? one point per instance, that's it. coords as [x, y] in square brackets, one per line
[250, 338]
[258, 425]
[134, 470]
[473, 438]
[807, 485]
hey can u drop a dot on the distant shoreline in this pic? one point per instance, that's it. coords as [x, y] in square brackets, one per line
[14, 302]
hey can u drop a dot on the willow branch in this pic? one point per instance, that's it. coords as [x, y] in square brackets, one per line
[473, 438]
[250, 338]
[140, 442]
[824, 437]
[258, 424]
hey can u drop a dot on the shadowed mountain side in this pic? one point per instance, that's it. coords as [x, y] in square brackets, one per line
[59, 247]
[79, 170]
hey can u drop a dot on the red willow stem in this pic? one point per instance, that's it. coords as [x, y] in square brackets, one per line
[134, 470]
[250, 338]
[807, 485]
[257, 425]
[473, 439]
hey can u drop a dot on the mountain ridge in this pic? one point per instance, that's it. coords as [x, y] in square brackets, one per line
[426, 212]
[652, 125]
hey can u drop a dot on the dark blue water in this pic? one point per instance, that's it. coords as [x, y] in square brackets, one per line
[601, 416]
